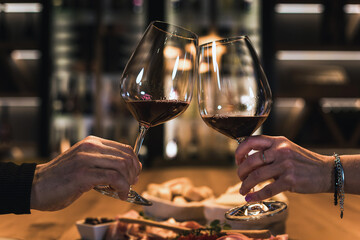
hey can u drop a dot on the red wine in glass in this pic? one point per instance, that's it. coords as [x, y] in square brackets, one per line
[154, 112]
[236, 127]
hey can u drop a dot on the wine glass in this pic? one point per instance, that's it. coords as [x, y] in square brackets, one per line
[235, 99]
[157, 82]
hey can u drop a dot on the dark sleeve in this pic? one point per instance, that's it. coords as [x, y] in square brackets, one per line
[15, 187]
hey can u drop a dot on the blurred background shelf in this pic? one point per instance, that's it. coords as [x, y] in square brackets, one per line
[311, 53]
[68, 56]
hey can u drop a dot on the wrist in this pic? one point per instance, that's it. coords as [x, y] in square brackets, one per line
[329, 180]
[34, 199]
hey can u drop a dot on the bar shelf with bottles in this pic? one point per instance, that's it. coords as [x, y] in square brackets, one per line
[313, 51]
[91, 42]
[22, 53]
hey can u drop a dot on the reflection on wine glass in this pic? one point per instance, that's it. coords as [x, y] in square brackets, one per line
[157, 82]
[235, 99]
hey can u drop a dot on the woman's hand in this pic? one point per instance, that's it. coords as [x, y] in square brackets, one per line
[292, 168]
[91, 162]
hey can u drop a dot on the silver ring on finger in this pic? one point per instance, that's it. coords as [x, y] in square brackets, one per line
[263, 158]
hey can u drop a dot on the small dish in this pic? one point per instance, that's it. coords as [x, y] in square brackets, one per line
[92, 232]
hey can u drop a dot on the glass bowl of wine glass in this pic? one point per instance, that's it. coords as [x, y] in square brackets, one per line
[234, 98]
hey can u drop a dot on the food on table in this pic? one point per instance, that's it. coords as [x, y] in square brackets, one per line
[95, 220]
[180, 190]
[124, 230]
[178, 198]
[238, 236]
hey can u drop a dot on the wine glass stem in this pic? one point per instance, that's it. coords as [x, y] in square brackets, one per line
[133, 196]
[255, 207]
[140, 138]
[240, 140]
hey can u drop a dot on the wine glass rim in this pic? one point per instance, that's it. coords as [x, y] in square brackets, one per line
[224, 41]
[192, 35]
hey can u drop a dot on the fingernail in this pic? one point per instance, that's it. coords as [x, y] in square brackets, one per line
[248, 198]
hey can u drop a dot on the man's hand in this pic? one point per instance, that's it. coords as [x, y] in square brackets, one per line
[90, 162]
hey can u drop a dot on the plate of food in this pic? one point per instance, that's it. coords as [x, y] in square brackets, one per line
[178, 198]
[133, 225]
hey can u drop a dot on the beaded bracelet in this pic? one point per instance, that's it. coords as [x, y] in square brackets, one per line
[339, 193]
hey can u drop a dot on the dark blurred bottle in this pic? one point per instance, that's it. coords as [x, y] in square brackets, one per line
[88, 100]
[29, 30]
[2, 25]
[5, 133]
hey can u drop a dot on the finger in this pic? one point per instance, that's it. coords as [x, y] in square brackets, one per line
[93, 144]
[266, 192]
[136, 180]
[260, 143]
[111, 162]
[92, 177]
[106, 146]
[119, 149]
[120, 146]
[240, 159]
[133, 165]
[121, 187]
[123, 195]
[259, 175]
[254, 161]
[122, 190]
[249, 163]
[112, 178]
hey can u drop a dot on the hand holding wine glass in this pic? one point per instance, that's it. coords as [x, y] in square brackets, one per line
[235, 99]
[157, 82]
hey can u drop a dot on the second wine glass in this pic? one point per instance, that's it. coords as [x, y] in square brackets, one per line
[157, 82]
[235, 99]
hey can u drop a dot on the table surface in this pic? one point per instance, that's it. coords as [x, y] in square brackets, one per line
[310, 216]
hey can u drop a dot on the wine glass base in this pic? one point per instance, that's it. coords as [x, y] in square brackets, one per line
[133, 197]
[242, 213]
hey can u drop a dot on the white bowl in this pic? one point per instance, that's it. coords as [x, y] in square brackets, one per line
[92, 232]
[164, 209]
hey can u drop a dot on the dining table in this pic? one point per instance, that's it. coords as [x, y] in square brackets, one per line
[310, 216]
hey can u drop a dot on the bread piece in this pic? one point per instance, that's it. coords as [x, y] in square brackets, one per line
[195, 193]
[153, 188]
[206, 192]
[177, 181]
[164, 193]
[179, 187]
[159, 191]
[179, 200]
